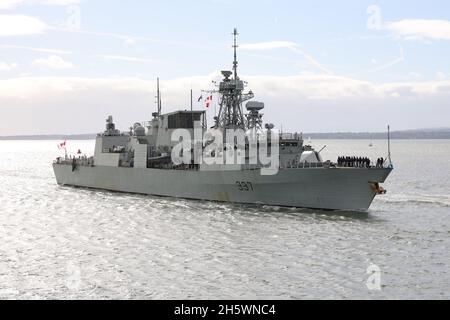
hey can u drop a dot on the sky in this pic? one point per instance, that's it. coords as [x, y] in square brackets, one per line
[319, 66]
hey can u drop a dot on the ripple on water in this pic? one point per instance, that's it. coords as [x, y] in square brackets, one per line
[60, 242]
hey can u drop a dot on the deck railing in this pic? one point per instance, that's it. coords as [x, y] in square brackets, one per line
[89, 162]
[81, 161]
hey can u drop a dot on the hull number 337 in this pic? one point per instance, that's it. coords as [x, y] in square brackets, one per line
[244, 186]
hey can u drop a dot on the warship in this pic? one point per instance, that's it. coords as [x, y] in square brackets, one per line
[153, 159]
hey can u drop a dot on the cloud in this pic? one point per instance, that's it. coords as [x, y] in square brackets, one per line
[53, 62]
[4, 66]
[20, 25]
[313, 61]
[420, 29]
[125, 58]
[56, 2]
[441, 76]
[271, 45]
[129, 39]
[268, 45]
[10, 4]
[305, 87]
[391, 63]
[414, 75]
[30, 88]
[42, 50]
[129, 42]
[301, 102]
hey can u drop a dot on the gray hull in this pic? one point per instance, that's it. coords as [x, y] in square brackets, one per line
[318, 188]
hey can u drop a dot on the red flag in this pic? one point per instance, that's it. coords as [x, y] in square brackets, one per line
[62, 145]
[209, 101]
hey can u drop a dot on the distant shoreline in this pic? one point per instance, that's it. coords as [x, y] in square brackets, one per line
[424, 134]
[50, 137]
[380, 136]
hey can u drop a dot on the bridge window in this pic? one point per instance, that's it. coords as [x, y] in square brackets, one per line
[183, 120]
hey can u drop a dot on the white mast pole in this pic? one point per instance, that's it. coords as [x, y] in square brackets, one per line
[389, 145]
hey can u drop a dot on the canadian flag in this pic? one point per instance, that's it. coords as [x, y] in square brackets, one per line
[62, 145]
[209, 101]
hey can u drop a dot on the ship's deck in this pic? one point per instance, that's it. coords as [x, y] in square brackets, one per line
[89, 162]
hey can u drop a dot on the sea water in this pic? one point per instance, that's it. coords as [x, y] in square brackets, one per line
[70, 243]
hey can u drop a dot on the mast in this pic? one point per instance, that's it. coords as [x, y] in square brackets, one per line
[192, 101]
[158, 97]
[235, 46]
[192, 108]
[231, 95]
[389, 145]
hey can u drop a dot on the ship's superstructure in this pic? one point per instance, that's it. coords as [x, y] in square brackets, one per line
[146, 159]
